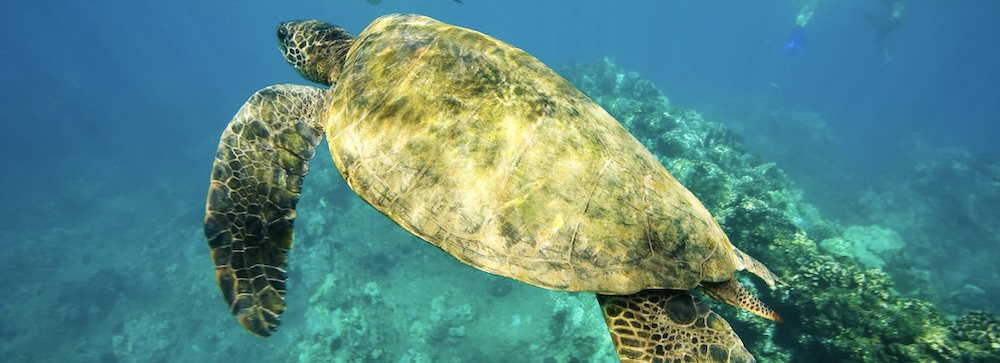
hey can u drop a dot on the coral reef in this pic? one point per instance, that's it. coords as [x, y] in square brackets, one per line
[868, 246]
[979, 333]
[766, 129]
[835, 310]
[943, 202]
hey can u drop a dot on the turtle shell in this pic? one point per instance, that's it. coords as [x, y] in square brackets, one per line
[478, 148]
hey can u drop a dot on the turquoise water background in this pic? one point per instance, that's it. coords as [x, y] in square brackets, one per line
[112, 111]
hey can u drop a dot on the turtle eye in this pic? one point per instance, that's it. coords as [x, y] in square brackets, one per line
[282, 32]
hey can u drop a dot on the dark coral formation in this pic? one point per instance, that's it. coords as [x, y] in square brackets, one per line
[979, 333]
[834, 310]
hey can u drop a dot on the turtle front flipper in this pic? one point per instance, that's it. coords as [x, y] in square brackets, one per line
[262, 159]
[669, 326]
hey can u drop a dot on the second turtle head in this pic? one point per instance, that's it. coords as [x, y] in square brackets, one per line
[316, 49]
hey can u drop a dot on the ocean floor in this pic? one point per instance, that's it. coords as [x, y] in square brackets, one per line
[122, 274]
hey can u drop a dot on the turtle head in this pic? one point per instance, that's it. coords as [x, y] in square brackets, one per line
[316, 49]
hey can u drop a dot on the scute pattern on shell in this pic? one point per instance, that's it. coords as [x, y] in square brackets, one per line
[480, 149]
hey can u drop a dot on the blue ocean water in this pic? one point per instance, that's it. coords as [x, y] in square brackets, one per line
[112, 112]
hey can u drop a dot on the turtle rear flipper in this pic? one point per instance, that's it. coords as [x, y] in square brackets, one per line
[669, 326]
[733, 293]
[262, 159]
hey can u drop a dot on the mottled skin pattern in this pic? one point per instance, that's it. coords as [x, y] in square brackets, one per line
[480, 149]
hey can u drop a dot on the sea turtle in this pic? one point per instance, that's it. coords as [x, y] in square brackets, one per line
[478, 148]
